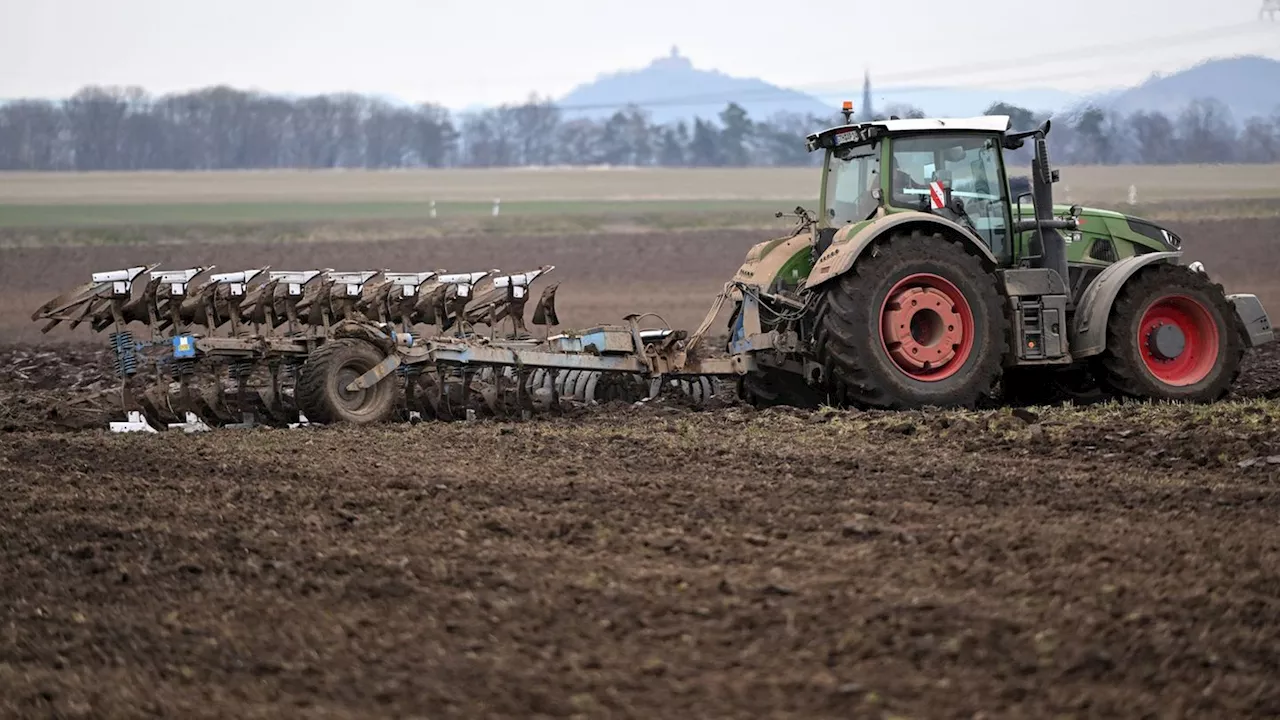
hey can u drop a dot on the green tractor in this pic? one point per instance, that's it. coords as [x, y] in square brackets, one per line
[925, 281]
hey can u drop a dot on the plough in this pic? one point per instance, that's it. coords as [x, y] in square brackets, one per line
[286, 348]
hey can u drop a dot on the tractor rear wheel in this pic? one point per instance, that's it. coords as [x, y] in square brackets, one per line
[1171, 335]
[918, 321]
[322, 393]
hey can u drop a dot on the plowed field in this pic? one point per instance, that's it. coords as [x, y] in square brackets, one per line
[640, 562]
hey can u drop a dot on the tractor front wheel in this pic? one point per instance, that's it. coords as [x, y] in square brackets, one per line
[1171, 335]
[322, 393]
[918, 321]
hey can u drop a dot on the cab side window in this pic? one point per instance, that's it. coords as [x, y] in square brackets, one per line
[970, 165]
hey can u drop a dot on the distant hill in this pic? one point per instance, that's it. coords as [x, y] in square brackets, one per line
[1248, 85]
[672, 89]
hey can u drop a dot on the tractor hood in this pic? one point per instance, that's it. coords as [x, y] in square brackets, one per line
[1120, 226]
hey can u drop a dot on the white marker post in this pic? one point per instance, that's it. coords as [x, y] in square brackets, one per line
[1133, 194]
[496, 203]
[433, 210]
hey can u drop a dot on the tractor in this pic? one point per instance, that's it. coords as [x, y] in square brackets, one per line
[924, 280]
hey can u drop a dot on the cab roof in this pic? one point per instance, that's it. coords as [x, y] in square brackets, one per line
[858, 133]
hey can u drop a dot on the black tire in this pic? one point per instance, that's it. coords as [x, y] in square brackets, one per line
[848, 342]
[1130, 367]
[321, 391]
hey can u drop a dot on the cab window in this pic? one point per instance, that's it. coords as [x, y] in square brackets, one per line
[852, 179]
[970, 164]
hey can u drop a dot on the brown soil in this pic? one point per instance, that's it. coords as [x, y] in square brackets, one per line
[1110, 561]
[651, 562]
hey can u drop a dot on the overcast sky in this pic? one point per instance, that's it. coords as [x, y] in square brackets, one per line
[464, 52]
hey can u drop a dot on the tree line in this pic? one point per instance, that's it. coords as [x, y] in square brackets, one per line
[223, 128]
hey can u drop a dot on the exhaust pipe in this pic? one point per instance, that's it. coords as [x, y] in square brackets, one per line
[1053, 247]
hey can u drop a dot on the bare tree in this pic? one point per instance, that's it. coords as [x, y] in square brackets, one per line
[534, 126]
[1206, 133]
[1260, 141]
[1154, 137]
[32, 136]
[95, 119]
[580, 142]
[102, 128]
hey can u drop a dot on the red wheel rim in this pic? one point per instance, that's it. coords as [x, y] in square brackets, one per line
[926, 327]
[1170, 320]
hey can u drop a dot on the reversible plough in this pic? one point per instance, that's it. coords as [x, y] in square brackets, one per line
[251, 347]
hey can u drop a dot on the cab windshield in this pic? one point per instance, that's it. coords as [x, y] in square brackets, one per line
[853, 174]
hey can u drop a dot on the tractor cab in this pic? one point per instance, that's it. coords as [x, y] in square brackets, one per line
[953, 169]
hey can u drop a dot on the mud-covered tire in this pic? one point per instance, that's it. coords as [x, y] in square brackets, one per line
[1212, 344]
[854, 309]
[321, 390]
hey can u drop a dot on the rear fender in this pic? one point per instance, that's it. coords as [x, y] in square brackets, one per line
[1089, 330]
[845, 251]
[766, 260]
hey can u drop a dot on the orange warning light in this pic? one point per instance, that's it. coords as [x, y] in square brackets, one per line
[847, 105]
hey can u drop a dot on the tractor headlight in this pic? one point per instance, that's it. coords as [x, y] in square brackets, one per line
[1171, 239]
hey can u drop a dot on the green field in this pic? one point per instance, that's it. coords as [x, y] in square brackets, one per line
[91, 215]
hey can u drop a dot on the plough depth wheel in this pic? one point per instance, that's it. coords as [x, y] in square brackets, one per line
[322, 393]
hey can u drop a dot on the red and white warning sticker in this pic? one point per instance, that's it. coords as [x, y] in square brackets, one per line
[935, 195]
